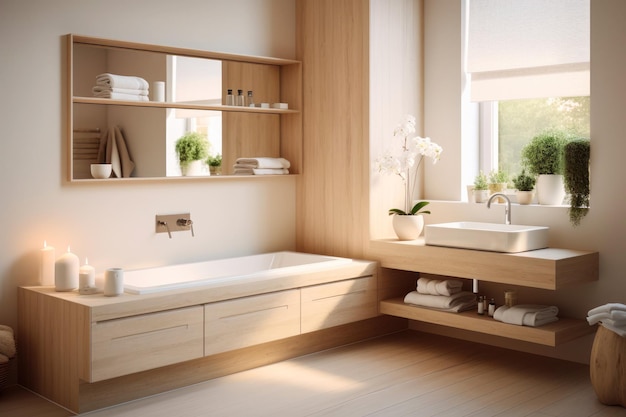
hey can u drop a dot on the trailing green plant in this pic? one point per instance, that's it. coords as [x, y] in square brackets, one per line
[480, 182]
[524, 182]
[498, 177]
[417, 209]
[214, 161]
[576, 178]
[544, 153]
[192, 146]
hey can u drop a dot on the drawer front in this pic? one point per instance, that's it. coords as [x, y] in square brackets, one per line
[249, 321]
[134, 344]
[337, 303]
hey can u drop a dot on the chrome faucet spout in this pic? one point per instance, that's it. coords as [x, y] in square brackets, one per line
[507, 207]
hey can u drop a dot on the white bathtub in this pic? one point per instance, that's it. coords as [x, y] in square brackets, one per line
[253, 267]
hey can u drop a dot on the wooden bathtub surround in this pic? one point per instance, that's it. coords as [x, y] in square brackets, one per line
[550, 269]
[88, 352]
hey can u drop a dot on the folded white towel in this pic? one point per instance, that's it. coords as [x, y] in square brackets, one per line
[263, 162]
[98, 89]
[617, 317]
[454, 303]
[121, 96]
[616, 329]
[607, 308]
[439, 287]
[121, 81]
[527, 314]
[270, 171]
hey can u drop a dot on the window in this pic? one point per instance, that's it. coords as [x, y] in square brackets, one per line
[528, 66]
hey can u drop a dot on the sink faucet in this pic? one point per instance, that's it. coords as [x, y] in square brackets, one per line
[507, 208]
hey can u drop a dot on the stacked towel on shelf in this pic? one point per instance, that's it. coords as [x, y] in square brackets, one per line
[531, 315]
[461, 301]
[611, 315]
[113, 151]
[439, 287]
[261, 166]
[121, 87]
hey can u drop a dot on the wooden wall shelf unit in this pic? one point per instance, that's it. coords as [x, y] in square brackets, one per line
[549, 269]
[197, 96]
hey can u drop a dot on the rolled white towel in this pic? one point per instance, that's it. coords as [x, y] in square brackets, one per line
[607, 308]
[527, 314]
[456, 302]
[102, 88]
[121, 81]
[264, 162]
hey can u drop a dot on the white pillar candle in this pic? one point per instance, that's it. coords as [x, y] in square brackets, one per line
[46, 266]
[66, 272]
[86, 276]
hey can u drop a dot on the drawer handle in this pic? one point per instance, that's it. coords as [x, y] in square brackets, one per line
[151, 332]
[286, 306]
[340, 295]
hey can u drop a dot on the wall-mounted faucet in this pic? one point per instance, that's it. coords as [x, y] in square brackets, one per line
[507, 208]
[173, 223]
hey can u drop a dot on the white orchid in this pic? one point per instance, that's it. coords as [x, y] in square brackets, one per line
[411, 150]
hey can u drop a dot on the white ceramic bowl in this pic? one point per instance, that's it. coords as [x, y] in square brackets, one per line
[101, 171]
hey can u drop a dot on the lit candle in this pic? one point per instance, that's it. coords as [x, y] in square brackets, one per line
[86, 276]
[46, 266]
[66, 272]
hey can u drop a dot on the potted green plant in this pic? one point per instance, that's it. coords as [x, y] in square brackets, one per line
[192, 148]
[525, 185]
[576, 178]
[481, 188]
[543, 156]
[215, 164]
[498, 181]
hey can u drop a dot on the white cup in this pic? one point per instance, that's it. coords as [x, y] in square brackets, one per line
[158, 91]
[113, 282]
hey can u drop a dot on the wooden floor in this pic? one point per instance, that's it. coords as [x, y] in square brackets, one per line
[405, 374]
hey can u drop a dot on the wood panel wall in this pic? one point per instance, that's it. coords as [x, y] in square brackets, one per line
[333, 189]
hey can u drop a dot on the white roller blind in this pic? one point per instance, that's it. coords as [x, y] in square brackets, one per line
[528, 48]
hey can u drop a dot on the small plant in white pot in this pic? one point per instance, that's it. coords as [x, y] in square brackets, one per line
[192, 149]
[408, 222]
[498, 181]
[543, 156]
[525, 185]
[481, 188]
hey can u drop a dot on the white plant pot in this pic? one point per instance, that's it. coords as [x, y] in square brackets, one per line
[525, 197]
[408, 227]
[481, 196]
[192, 169]
[550, 190]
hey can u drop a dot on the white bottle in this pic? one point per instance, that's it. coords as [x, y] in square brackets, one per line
[241, 101]
[230, 99]
[250, 102]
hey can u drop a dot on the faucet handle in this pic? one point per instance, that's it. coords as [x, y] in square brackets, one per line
[185, 223]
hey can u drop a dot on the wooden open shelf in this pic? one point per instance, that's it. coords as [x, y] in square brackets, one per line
[551, 334]
[549, 269]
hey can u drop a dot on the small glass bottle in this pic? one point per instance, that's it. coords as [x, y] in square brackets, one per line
[230, 98]
[481, 306]
[250, 102]
[492, 307]
[240, 98]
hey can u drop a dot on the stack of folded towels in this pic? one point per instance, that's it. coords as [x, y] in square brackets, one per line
[611, 315]
[531, 315]
[121, 87]
[261, 166]
[444, 295]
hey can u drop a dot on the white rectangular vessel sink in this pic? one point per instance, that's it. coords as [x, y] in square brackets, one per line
[510, 238]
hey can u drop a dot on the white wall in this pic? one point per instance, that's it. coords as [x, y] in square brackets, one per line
[604, 228]
[113, 224]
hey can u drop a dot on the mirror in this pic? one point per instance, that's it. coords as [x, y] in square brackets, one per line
[193, 100]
